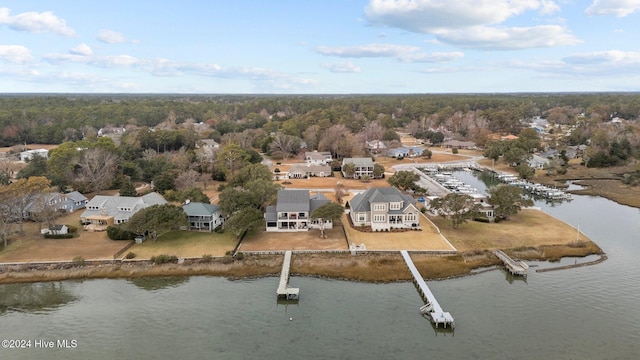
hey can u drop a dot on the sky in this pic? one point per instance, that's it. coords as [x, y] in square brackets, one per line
[319, 46]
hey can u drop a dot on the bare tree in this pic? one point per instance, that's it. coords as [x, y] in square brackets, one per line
[187, 179]
[97, 169]
[284, 146]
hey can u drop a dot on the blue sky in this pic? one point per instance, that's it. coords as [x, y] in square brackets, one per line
[319, 46]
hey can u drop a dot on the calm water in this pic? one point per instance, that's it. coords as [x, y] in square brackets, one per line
[584, 313]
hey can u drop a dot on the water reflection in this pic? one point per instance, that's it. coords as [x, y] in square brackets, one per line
[159, 283]
[35, 298]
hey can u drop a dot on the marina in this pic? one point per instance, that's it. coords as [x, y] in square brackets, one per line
[284, 291]
[432, 309]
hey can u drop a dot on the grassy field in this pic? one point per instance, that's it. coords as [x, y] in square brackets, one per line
[428, 239]
[260, 240]
[529, 228]
[185, 244]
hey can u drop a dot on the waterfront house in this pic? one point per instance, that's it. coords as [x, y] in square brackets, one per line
[384, 209]
[292, 212]
[203, 216]
[103, 210]
[363, 166]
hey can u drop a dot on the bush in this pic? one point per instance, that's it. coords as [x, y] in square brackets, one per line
[454, 150]
[239, 256]
[207, 258]
[78, 261]
[58, 236]
[72, 229]
[164, 259]
[117, 233]
[130, 255]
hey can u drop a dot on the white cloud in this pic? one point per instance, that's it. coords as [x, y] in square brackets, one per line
[34, 22]
[619, 8]
[402, 53]
[100, 61]
[471, 23]
[609, 58]
[491, 38]
[113, 37]
[434, 57]
[342, 67]
[424, 16]
[15, 54]
[370, 50]
[82, 49]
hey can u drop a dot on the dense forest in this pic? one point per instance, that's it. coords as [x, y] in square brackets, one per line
[53, 119]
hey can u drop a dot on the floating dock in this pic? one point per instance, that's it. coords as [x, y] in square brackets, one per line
[431, 309]
[284, 291]
[514, 267]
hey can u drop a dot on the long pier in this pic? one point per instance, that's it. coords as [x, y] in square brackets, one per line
[514, 267]
[432, 309]
[284, 291]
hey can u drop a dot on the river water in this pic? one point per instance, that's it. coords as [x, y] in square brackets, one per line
[590, 312]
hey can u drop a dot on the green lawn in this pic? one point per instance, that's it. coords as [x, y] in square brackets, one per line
[186, 244]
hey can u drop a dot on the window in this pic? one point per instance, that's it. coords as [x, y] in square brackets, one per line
[362, 217]
[395, 206]
[379, 207]
[410, 217]
[379, 218]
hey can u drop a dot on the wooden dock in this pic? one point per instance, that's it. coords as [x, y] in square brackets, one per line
[432, 309]
[284, 291]
[514, 267]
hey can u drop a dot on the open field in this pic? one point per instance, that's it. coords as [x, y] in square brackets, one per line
[185, 244]
[31, 246]
[529, 228]
[428, 239]
[260, 240]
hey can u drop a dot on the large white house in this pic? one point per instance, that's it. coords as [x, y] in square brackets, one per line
[292, 212]
[384, 209]
[103, 210]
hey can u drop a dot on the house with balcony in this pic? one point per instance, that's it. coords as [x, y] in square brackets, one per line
[384, 209]
[363, 166]
[203, 216]
[317, 157]
[292, 212]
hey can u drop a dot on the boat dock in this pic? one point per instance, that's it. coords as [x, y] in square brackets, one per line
[431, 309]
[514, 267]
[284, 291]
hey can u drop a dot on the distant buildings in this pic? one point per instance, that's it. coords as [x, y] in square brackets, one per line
[30, 154]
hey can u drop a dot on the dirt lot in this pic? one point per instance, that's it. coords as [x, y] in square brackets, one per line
[33, 247]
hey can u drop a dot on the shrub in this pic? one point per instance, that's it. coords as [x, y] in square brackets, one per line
[130, 255]
[207, 258]
[72, 229]
[164, 259]
[454, 150]
[78, 261]
[239, 256]
[58, 236]
[117, 233]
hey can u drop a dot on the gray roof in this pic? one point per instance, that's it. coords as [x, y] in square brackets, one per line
[76, 196]
[292, 200]
[111, 205]
[271, 214]
[362, 202]
[358, 161]
[317, 155]
[200, 209]
[317, 201]
[304, 168]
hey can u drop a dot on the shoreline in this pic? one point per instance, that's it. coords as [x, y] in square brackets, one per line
[371, 267]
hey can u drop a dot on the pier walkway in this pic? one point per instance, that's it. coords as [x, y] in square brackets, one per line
[284, 291]
[432, 308]
[514, 267]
